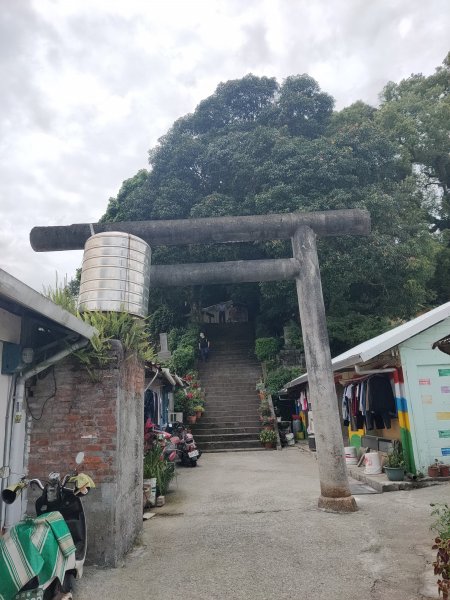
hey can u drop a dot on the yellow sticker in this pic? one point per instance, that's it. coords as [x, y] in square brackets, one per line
[427, 399]
[443, 416]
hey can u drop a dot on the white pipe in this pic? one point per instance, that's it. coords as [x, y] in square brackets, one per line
[7, 442]
[156, 375]
[15, 512]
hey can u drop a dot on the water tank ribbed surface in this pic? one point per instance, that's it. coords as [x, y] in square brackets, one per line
[115, 274]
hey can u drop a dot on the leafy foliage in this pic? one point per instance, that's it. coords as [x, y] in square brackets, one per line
[268, 436]
[256, 146]
[155, 465]
[133, 333]
[277, 378]
[395, 458]
[267, 348]
[442, 544]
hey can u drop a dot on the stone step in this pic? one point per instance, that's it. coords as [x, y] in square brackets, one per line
[231, 445]
[222, 411]
[230, 403]
[226, 437]
[231, 423]
[200, 431]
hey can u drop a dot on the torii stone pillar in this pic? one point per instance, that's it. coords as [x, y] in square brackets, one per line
[334, 487]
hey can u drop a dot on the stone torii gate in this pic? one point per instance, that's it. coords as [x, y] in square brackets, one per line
[302, 229]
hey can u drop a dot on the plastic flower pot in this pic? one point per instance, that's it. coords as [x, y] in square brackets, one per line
[433, 471]
[192, 419]
[444, 471]
[268, 445]
[395, 473]
[198, 414]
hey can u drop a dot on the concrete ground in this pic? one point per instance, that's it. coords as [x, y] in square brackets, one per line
[245, 525]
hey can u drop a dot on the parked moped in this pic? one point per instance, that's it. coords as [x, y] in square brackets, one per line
[183, 440]
[59, 498]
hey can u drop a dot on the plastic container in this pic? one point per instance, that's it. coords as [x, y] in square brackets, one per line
[351, 458]
[372, 463]
[290, 439]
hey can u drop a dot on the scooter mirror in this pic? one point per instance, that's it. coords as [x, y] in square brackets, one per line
[4, 472]
[79, 459]
[10, 493]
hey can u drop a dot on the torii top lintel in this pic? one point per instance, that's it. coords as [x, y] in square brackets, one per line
[208, 230]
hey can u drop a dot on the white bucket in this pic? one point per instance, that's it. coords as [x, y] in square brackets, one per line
[351, 457]
[372, 463]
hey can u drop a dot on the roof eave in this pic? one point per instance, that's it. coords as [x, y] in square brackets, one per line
[16, 291]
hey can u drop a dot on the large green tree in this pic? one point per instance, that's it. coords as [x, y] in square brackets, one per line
[258, 147]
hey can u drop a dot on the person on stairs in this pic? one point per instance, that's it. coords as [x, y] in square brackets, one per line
[203, 346]
[222, 308]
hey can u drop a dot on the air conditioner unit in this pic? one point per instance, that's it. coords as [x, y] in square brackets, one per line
[175, 416]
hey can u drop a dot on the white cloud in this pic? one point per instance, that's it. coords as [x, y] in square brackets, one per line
[89, 86]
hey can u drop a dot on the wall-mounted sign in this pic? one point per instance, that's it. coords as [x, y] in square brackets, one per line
[427, 399]
[444, 372]
[424, 382]
[444, 433]
[443, 416]
[445, 389]
[445, 451]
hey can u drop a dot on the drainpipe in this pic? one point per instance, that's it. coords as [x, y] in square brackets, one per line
[7, 442]
[16, 511]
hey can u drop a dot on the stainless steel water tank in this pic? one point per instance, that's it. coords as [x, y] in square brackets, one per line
[115, 274]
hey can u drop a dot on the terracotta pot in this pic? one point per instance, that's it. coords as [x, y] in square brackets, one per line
[198, 414]
[444, 471]
[268, 445]
[192, 419]
[433, 471]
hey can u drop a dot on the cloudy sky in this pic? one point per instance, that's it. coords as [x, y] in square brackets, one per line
[88, 86]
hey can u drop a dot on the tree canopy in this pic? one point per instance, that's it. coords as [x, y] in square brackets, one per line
[256, 146]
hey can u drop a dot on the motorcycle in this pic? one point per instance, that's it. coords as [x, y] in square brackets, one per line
[183, 440]
[58, 496]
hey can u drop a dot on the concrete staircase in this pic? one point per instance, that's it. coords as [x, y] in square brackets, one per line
[230, 421]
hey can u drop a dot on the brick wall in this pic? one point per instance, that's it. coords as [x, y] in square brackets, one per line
[103, 419]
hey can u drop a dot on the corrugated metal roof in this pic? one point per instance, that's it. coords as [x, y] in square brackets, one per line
[379, 344]
[20, 294]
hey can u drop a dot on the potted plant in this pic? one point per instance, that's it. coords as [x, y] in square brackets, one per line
[261, 389]
[191, 419]
[395, 463]
[434, 470]
[267, 422]
[199, 410]
[444, 470]
[268, 438]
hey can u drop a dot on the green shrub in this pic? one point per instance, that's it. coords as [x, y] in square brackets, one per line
[267, 348]
[160, 468]
[161, 321]
[130, 331]
[294, 336]
[268, 436]
[278, 378]
[442, 523]
[183, 359]
[174, 337]
[190, 336]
